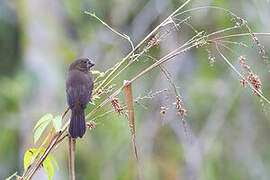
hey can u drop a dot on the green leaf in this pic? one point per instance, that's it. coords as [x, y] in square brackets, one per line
[48, 167]
[54, 161]
[13, 175]
[57, 122]
[29, 157]
[35, 151]
[43, 119]
[40, 130]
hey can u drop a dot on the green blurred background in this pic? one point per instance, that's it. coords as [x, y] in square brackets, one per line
[228, 127]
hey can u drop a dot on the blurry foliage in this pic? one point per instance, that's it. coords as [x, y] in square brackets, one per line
[9, 46]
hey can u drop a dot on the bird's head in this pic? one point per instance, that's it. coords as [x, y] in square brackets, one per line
[82, 64]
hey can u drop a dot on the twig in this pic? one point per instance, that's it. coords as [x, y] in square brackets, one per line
[236, 35]
[102, 115]
[110, 28]
[167, 75]
[65, 113]
[60, 141]
[207, 7]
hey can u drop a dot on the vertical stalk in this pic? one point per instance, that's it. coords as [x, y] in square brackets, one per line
[71, 157]
[131, 118]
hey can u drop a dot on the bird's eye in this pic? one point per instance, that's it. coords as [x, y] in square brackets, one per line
[85, 62]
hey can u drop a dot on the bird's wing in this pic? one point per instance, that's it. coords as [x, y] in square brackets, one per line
[84, 95]
[70, 97]
[90, 88]
[78, 93]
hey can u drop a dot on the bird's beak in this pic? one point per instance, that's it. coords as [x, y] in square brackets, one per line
[90, 64]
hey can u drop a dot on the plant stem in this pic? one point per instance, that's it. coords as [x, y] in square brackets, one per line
[71, 156]
[237, 35]
[131, 117]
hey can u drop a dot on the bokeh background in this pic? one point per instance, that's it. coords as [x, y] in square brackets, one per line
[228, 127]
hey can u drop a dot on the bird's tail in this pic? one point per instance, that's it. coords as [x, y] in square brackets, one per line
[77, 123]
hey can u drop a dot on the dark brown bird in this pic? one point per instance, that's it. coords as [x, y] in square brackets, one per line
[79, 86]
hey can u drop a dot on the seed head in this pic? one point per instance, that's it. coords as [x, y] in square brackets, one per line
[163, 110]
[91, 124]
[117, 106]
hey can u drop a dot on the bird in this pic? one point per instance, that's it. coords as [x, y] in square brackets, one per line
[79, 87]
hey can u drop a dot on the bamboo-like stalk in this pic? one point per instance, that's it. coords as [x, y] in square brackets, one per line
[131, 118]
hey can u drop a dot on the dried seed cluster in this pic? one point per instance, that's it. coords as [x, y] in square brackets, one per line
[256, 83]
[252, 78]
[243, 82]
[154, 41]
[179, 107]
[117, 106]
[261, 48]
[242, 60]
[200, 43]
[163, 110]
[91, 124]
